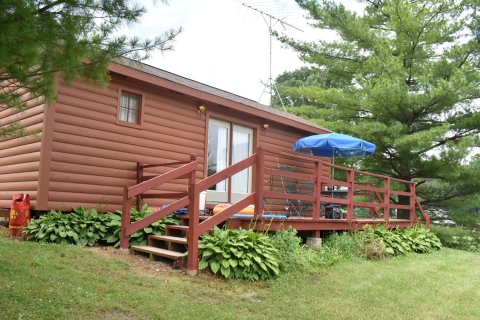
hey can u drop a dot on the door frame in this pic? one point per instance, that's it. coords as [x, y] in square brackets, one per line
[249, 122]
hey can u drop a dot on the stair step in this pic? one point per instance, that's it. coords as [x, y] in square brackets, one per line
[177, 227]
[169, 238]
[174, 255]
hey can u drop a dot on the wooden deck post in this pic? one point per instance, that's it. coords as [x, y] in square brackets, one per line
[193, 222]
[126, 211]
[386, 210]
[413, 215]
[139, 179]
[351, 191]
[260, 172]
[317, 191]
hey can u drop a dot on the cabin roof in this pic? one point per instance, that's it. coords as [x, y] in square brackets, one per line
[211, 94]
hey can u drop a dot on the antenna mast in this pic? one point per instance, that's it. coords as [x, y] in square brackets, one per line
[271, 21]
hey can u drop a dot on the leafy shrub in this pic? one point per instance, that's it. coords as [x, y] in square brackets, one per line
[297, 258]
[393, 242]
[458, 238]
[400, 241]
[241, 254]
[140, 237]
[86, 227]
[372, 247]
[419, 239]
[345, 245]
[83, 227]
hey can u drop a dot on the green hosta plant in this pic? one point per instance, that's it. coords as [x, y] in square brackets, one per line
[400, 241]
[140, 237]
[240, 254]
[394, 244]
[419, 239]
[84, 227]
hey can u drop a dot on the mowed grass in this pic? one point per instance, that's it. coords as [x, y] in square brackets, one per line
[39, 281]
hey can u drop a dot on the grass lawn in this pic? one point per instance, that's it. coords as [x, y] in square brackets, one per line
[39, 281]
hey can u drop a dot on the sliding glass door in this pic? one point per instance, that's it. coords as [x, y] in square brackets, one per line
[228, 144]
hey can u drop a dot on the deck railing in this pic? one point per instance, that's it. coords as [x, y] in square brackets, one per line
[385, 193]
[147, 183]
[380, 191]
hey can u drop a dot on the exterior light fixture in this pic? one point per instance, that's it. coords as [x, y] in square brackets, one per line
[201, 109]
[265, 126]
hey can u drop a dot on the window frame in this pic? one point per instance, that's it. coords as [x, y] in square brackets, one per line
[140, 111]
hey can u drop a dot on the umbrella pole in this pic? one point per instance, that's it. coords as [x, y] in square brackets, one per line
[333, 169]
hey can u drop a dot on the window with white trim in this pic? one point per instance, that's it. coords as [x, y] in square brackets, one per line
[129, 109]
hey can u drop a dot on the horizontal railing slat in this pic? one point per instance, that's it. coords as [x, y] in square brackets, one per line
[169, 195]
[144, 166]
[368, 188]
[223, 215]
[287, 174]
[368, 204]
[160, 214]
[161, 179]
[400, 206]
[291, 196]
[401, 193]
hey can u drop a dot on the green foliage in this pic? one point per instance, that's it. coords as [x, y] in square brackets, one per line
[345, 245]
[458, 238]
[372, 247]
[240, 254]
[87, 227]
[83, 227]
[403, 240]
[76, 39]
[140, 237]
[297, 258]
[402, 74]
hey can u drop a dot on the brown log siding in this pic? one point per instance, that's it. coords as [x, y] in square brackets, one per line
[20, 157]
[88, 156]
[93, 158]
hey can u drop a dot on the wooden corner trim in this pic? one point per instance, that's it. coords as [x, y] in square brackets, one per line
[45, 157]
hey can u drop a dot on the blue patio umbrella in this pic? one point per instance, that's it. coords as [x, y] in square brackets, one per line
[334, 145]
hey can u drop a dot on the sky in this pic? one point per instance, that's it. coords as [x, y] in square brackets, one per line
[225, 44]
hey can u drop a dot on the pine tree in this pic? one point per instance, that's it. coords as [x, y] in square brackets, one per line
[76, 39]
[403, 74]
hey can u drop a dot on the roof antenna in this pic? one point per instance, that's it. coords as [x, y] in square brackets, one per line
[271, 21]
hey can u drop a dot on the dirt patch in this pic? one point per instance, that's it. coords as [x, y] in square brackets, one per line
[138, 263]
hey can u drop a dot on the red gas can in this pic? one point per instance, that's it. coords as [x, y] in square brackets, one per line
[19, 214]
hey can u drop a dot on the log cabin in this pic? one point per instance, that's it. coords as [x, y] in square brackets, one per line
[154, 137]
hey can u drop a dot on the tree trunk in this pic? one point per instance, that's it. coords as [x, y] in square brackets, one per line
[403, 213]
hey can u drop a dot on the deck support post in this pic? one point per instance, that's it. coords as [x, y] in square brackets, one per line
[413, 215]
[351, 191]
[193, 223]
[386, 212]
[317, 191]
[126, 211]
[139, 179]
[260, 172]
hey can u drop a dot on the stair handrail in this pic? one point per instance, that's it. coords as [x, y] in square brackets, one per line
[197, 228]
[128, 228]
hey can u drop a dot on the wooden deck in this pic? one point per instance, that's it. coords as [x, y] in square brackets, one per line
[381, 199]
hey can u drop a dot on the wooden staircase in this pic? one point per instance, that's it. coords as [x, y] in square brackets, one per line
[171, 246]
